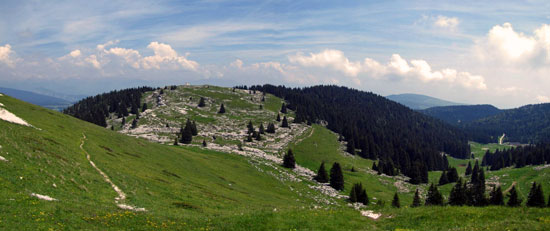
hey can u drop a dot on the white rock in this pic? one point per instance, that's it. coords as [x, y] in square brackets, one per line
[3, 159]
[43, 197]
[371, 214]
[10, 117]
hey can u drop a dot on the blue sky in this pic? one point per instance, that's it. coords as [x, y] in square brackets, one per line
[494, 52]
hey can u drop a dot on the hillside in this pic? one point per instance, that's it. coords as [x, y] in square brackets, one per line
[37, 99]
[461, 114]
[419, 102]
[527, 124]
[192, 188]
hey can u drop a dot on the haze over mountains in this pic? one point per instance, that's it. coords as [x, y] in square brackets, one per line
[37, 99]
[419, 102]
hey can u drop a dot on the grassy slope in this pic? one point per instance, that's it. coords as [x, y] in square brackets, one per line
[181, 188]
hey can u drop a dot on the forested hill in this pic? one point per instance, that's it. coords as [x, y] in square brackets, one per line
[381, 128]
[527, 124]
[419, 102]
[461, 114]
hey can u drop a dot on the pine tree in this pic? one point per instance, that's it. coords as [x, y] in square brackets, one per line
[134, 109]
[416, 200]
[452, 175]
[395, 202]
[536, 196]
[363, 197]
[270, 128]
[278, 117]
[134, 123]
[261, 130]
[434, 196]
[374, 167]
[285, 123]
[496, 197]
[186, 135]
[144, 107]
[475, 174]
[358, 194]
[353, 195]
[204, 143]
[322, 176]
[443, 179]
[194, 130]
[176, 141]
[283, 108]
[468, 169]
[478, 189]
[257, 136]
[513, 200]
[249, 138]
[351, 147]
[123, 120]
[250, 127]
[201, 102]
[288, 160]
[458, 194]
[222, 109]
[336, 177]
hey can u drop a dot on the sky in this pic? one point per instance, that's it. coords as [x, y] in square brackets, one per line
[474, 52]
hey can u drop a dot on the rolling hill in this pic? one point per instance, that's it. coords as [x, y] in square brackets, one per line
[461, 114]
[37, 99]
[420, 102]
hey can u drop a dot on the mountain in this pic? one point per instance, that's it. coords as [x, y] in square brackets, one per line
[460, 114]
[67, 97]
[37, 99]
[419, 102]
[527, 124]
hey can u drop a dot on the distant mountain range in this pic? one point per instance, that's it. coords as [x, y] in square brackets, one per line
[461, 114]
[420, 102]
[37, 99]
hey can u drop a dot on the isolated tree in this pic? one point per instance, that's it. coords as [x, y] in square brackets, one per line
[144, 107]
[434, 196]
[270, 128]
[336, 177]
[222, 109]
[536, 197]
[204, 143]
[261, 130]
[322, 176]
[452, 175]
[283, 108]
[458, 194]
[288, 160]
[250, 127]
[278, 117]
[468, 169]
[134, 123]
[443, 179]
[416, 200]
[285, 123]
[395, 202]
[513, 200]
[201, 102]
[496, 197]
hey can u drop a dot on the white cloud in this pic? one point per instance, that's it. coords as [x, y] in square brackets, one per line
[6, 56]
[165, 55]
[107, 44]
[446, 22]
[396, 67]
[543, 99]
[503, 44]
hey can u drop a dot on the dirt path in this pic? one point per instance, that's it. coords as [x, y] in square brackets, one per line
[509, 188]
[121, 195]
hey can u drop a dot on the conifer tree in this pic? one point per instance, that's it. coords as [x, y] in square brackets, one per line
[353, 195]
[222, 109]
[134, 123]
[443, 179]
[204, 143]
[283, 108]
[176, 141]
[513, 200]
[144, 107]
[468, 169]
[416, 200]
[395, 202]
[194, 130]
[249, 138]
[478, 189]
[358, 194]
[123, 120]
[336, 177]
[186, 135]
[285, 123]
[278, 117]
[201, 102]
[452, 175]
[458, 194]
[363, 197]
[261, 130]
[134, 109]
[496, 197]
[351, 147]
[322, 176]
[434, 196]
[250, 127]
[536, 196]
[475, 174]
[270, 128]
[288, 160]
[374, 167]
[257, 136]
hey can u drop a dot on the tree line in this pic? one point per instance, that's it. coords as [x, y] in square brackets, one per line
[518, 157]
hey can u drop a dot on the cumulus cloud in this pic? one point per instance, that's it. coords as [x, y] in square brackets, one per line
[6, 56]
[503, 44]
[396, 67]
[446, 22]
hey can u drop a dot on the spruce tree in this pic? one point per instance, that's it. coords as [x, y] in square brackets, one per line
[351, 147]
[123, 120]
[201, 102]
[144, 107]
[186, 135]
[443, 179]
[322, 176]
[452, 175]
[250, 127]
[336, 177]
[270, 128]
[536, 197]
[288, 160]
[204, 143]
[475, 174]
[374, 167]
[458, 194]
[513, 200]
[416, 200]
[257, 136]
[496, 197]
[283, 108]
[176, 141]
[194, 130]
[363, 197]
[134, 123]
[261, 130]
[222, 109]
[468, 169]
[285, 123]
[434, 196]
[358, 194]
[278, 117]
[249, 138]
[353, 195]
[395, 202]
